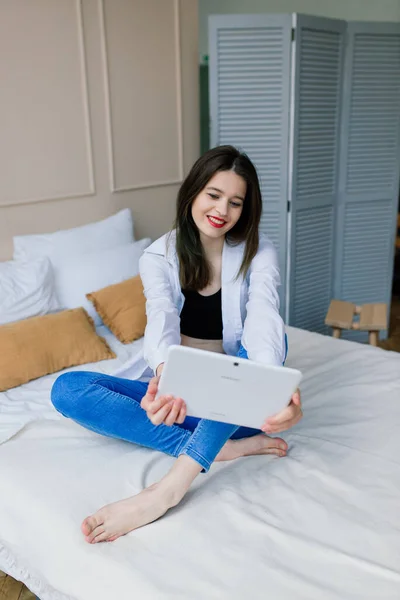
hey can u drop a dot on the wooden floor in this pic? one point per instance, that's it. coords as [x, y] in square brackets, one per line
[15, 590]
[393, 342]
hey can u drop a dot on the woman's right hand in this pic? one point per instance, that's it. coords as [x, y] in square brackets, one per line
[165, 409]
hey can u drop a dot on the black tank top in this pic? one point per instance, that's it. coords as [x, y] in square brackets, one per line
[201, 316]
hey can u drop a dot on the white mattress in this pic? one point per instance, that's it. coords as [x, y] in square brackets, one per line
[323, 523]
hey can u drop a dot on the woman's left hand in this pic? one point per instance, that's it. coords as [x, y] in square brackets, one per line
[288, 417]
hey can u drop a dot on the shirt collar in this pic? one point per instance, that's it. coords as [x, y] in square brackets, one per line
[232, 256]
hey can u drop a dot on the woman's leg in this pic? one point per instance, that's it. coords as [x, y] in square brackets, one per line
[209, 441]
[111, 406]
[114, 520]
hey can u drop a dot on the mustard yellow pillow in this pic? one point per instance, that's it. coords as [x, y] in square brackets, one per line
[41, 345]
[122, 308]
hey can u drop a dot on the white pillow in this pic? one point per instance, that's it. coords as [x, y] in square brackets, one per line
[102, 235]
[81, 275]
[26, 289]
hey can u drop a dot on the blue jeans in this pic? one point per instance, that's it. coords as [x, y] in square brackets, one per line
[111, 406]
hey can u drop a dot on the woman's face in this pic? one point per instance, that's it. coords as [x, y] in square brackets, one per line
[219, 205]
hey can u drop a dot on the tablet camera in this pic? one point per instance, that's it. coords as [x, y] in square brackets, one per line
[235, 364]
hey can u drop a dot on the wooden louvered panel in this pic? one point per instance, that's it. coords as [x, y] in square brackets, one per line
[249, 105]
[251, 70]
[270, 225]
[369, 165]
[319, 64]
[312, 271]
[319, 79]
[366, 247]
[374, 117]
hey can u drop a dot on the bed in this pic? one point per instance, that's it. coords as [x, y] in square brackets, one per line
[322, 523]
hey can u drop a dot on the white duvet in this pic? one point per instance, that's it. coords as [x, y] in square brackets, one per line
[322, 523]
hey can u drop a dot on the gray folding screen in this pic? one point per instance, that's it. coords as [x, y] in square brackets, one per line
[318, 110]
[249, 62]
[369, 164]
[319, 45]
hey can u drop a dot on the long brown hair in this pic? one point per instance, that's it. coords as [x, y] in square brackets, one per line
[194, 269]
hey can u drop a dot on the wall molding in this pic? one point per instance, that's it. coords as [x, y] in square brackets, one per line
[88, 131]
[107, 94]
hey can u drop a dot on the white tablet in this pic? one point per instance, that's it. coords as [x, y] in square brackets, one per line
[226, 388]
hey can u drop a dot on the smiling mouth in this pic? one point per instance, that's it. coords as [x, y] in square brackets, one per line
[215, 222]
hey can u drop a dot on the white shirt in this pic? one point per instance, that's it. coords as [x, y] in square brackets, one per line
[250, 305]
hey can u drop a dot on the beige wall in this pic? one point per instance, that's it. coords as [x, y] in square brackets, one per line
[99, 111]
[352, 10]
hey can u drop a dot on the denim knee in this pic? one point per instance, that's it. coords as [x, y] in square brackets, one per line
[67, 390]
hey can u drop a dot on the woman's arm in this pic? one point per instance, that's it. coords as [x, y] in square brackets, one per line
[264, 330]
[162, 330]
[163, 321]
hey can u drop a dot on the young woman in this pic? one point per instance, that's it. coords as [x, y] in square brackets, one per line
[212, 284]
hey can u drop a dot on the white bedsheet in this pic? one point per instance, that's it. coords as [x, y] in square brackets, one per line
[323, 523]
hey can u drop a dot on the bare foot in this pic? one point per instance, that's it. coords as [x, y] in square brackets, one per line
[117, 519]
[114, 520]
[258, 444]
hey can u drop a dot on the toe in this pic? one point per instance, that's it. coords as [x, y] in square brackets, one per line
[280, 443]
[90, 523]
[102, 536]
[96, 531]
[277, 452]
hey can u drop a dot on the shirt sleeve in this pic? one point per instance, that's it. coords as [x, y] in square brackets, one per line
[163, 321]
[264, 329]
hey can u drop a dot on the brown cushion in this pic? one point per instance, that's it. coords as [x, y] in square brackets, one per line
[122, 308]
[41, 345]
